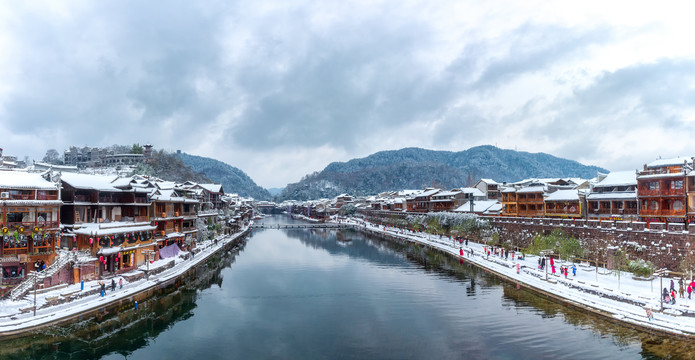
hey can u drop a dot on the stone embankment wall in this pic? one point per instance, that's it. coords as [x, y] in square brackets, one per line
[665, 246]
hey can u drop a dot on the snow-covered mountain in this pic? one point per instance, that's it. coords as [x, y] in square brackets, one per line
[415, 168]
[233, 180]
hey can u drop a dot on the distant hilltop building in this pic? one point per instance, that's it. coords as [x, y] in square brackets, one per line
[10, 162]
[95, 157]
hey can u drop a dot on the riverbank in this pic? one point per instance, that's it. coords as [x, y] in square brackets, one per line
[16, 320]
[619, 298]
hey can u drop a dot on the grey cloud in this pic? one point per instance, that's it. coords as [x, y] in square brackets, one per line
[618, 102]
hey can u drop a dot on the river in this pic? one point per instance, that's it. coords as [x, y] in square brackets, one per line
[323, 293]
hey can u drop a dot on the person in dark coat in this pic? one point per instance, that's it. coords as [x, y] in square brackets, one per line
[103, 288]
[664, 294]
[113, 285]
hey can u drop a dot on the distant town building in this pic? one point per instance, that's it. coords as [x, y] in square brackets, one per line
[95, 157]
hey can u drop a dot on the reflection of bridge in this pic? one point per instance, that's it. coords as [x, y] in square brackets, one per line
[303, 226]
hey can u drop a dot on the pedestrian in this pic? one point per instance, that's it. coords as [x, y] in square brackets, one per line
[103, 288]
[113, 285]
[673, 286]
[673, 296]
[120, 282]
[512, 256]
[650, 315]
[566, 272]
[539, 263]
[681, 290]
[690, 290]
[664, 294]
[574, 270]
[466, 242]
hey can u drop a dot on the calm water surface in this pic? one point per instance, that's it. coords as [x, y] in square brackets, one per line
[303, 294]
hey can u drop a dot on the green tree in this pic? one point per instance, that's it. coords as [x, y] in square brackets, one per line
[136, 149]
[560, 243]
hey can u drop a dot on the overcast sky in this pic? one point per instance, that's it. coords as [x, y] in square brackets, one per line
[281, 89]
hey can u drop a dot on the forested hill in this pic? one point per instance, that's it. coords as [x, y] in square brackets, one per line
[414, 168]
[233, 180]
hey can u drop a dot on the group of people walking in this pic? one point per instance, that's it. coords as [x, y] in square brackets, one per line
[564, 270]
[113, 285]
[669, 295]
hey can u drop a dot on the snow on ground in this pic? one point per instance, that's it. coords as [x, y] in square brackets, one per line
[624, 298]
[12, 319]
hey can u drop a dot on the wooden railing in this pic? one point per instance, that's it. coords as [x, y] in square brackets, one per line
[661, 212]
[660, 192]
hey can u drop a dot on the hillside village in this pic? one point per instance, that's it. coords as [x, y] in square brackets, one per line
[117, 222]
[73, 226]
[663, 192]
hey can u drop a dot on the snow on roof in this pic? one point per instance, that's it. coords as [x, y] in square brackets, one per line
[117, 227]
[215, 188]
[25, 180]
[489, 181]
[473, 191]
[165, 184]
[509, 189]
[669, 162]
[427, 193]
[563, 195]
[166, 195]
[447, 193]
[618, 178]
[87, 181]
[531, 189]
[613, 195]
[479, 206]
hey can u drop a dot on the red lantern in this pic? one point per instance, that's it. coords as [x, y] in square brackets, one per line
[151, 262]
[91, 240]
[101, 258]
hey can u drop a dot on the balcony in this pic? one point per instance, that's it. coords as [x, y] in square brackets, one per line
[562, 211]
[46, 197]
[21, 196]
[661, 212]
[643, 192]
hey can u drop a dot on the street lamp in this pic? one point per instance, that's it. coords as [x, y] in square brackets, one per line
[545, 254]
[661, 272]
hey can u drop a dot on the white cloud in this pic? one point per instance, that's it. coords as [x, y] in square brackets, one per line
[282, 89]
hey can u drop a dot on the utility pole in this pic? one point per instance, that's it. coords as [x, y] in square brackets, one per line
[661, 272]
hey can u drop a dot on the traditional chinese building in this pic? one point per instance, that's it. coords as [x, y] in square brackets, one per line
[661, 190]
[565, 204]
[490, 188]
[530, 201]
[109, 218]
[614, 197]
[30, 226]
[509, 202]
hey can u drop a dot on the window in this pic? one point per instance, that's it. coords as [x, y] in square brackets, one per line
[677, 205]
[653, 205]
[677, 184]
[653, 185]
